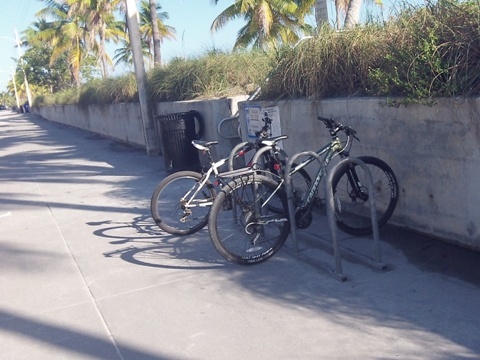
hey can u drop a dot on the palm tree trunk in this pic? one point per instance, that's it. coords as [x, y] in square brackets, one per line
[103, 52]
[321, 12]
[339, 19]
[157, 59]
[353, 13]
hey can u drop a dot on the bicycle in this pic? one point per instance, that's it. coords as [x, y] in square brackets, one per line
[256, 230]
[180, 203]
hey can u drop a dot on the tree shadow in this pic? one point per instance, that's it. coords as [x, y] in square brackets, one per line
[70, 340]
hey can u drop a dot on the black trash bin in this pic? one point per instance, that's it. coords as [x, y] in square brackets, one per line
[176, 133]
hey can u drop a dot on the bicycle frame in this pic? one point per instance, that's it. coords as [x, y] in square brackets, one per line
[200, 185]
[329, 151]
[189, 197]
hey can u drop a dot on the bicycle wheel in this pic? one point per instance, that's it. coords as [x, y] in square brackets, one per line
[350, 189]
[242, 227]
[173, 207]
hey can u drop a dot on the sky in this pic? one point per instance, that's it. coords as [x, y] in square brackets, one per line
[190, 18]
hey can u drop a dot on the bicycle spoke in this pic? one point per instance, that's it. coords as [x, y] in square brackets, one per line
[246, 231]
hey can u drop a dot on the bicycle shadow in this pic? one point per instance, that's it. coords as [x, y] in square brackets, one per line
[148, 246]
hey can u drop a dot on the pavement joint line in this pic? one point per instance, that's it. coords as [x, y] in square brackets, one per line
[92, 298]
[149, 287]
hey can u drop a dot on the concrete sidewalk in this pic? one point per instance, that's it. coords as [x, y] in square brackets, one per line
[85, 273]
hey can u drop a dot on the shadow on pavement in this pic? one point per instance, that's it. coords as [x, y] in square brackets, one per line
[148, 246]
[71, 340]
[431, 294]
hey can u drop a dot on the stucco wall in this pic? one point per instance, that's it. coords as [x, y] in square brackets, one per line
[434, 151]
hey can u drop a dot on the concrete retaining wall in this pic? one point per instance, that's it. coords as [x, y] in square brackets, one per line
[434, 151]
[123, 122]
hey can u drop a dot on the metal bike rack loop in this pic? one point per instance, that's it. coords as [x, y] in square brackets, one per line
[229, 121]
[336, 272]
[232, 154]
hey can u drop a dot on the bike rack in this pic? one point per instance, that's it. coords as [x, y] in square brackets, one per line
[232, 154]
[233, 128]
[337, 271]
[257, 160]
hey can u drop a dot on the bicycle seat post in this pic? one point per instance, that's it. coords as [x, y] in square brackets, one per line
[210, 157]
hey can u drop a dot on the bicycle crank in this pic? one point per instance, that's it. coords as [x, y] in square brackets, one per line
[303, 219]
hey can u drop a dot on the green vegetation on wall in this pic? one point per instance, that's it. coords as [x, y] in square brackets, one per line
[422, 53]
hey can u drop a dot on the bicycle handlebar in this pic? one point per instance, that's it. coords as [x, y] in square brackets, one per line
[262, 134]
[334, 127]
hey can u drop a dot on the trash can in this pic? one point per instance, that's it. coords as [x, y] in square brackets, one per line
[176, 133]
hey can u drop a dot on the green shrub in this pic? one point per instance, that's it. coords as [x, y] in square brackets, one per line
[421, 53]
[216, 74]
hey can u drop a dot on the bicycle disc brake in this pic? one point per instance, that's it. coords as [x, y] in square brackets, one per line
[303, 219]
[227, 204]
[359, 196]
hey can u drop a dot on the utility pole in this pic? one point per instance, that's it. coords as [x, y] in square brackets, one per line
[151, 139]
[27, 87]
[15, 89]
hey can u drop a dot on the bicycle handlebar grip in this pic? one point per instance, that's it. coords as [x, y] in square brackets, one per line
[330, 123]
[335, 126]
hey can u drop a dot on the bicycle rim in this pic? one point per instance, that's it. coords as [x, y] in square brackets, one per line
[352, 208]
[242, 227]
[168, 205]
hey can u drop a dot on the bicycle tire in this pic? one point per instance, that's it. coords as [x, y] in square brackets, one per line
[235, 208]
[167, 210]
[352, 210]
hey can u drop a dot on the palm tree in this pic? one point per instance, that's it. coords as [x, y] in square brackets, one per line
[321, 12]
[269, 22]
[157, 58]
[102, 26]
[148, 30]
[79, 29]
[352, 17]
[347, 12]
[65, 35]
[123, 54]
